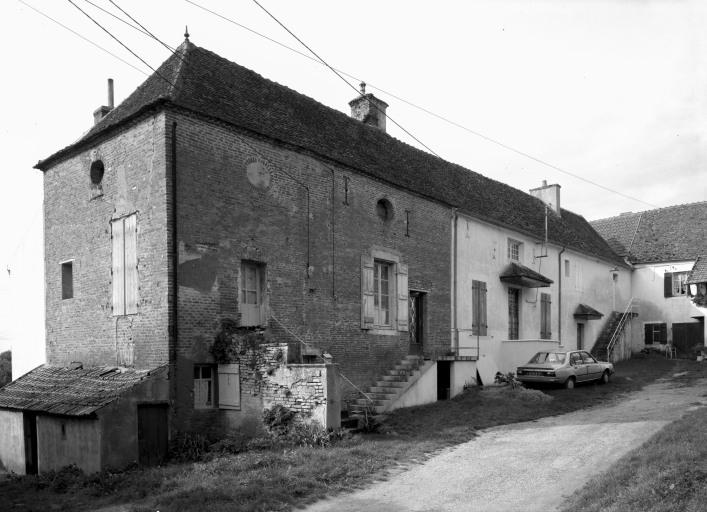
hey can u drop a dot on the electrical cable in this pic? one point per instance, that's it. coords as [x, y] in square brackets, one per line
[425, 110]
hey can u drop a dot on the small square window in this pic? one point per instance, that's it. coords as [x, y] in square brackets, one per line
[567, 268]
[67, 280]
[515, 249]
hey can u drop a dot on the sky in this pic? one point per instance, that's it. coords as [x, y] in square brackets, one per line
[613, 92]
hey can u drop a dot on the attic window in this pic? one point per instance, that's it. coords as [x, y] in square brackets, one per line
[97, 170]
[384, 209]
[67, 280]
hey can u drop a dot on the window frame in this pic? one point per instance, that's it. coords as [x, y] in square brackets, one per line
[515, 247]
[656, 327]
[67, 292]
[378, 309]
[247, 309]
[398, 293]
[207, 404]
[674, 282]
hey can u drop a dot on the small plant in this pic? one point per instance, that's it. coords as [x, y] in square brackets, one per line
[189, 447]
[278, 419]
[369, 421]
[509, 379]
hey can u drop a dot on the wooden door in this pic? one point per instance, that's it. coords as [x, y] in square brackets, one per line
[416, 326]
[687, 337]
[152, 434]
[30, 432]
[580, 336]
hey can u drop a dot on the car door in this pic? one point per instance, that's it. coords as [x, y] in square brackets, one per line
[578, 366]
[592, 365]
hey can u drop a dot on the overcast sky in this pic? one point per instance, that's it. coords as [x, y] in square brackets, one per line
[613, 91]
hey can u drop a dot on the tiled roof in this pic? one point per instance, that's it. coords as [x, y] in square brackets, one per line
[71, 392]
[209, 85]
[698, 274]
[674, 233]
[584, 311]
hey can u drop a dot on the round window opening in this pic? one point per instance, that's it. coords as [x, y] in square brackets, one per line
[384, 209]
[97, 170]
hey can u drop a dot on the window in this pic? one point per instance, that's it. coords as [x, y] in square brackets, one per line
[125, 278]
[513, 313]
[96, 172]
[478, 308]
[675, 284]
[384, 209]
[203, 387]
[514, 249]
[384, 293]
[67, 280]
[253, 310]
[655, 333]
[567, 268]
[545, 315]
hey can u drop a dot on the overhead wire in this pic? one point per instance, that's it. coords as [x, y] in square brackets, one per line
[343, 79]
[84, 38]
[423, 109]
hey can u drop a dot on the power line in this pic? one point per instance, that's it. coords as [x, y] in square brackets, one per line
[120, 42]
[423, 109]
[82, 37]
[342, 78]
[144, 30]
[116, 17]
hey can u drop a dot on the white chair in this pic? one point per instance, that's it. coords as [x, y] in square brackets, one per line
[670, 351]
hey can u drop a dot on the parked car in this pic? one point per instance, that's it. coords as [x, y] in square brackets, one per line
[565, 368]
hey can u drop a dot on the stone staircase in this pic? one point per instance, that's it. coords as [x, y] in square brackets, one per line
[391, 386]
[600, 346]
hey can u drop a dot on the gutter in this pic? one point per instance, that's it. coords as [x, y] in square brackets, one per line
[559, 295]
[455, 330]
[174, 320]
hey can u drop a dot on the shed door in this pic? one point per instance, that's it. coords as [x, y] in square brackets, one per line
[688, 337]
[152, 434]
[30, 431]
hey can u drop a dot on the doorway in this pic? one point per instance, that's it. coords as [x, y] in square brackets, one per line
[688, 337]
[416, 327]
[29, 420]
[580, 336]
[152, 433]
[444, 380]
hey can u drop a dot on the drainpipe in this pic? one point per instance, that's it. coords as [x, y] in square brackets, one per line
[174, 330]
[455, 332]
[559, 295]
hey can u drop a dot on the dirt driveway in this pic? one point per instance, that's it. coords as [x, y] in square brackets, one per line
[527, 466]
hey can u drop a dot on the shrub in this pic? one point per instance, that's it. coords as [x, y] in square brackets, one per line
[188, 447]
[508, 378]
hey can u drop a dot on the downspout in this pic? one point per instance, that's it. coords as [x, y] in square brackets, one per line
[559, 295]
[455, 332]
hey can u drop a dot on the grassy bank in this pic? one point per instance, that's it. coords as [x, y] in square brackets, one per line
[284, 478]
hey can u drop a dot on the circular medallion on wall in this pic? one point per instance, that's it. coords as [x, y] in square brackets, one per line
[258, 174]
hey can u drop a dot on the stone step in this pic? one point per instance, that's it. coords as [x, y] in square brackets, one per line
[390, 383]
[363, 402]
[358, 409]
[382, 396]
[385, 389]
[395, 378]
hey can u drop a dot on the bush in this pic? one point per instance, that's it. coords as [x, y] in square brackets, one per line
[508, 378]
[188, 447]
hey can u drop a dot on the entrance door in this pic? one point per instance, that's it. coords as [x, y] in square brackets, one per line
[687, 336]
[580, 336]
[30, 431]
[415, 322]
[152, 434]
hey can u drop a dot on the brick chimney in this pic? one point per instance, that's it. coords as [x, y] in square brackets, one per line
[101, 111]
[548, 194]
[368, 109]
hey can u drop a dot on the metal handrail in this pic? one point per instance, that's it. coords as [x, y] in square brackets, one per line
[619, 328]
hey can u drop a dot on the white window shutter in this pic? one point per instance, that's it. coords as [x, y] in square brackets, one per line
[229, 386]
[475, 311]
[402, 293]
[118, 251]
[131, 277]
[367, 309]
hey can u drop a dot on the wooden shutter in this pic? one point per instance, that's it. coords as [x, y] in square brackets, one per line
[475, 307]
[118, 251]
[483, 326]
[668, 284]
[229, 386]
[401, 290]
[663, 333]
[545, 329]
[367, 311]
[131, 277]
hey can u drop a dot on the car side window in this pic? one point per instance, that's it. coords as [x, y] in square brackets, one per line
[574, 359]
[587, 358]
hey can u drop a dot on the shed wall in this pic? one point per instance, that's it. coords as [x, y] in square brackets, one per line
[12, 442]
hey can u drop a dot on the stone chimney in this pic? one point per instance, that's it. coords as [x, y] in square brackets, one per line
[548, 194]
[101, 111]
[368, 109]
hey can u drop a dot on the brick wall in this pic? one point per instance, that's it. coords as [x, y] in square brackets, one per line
[224, 217]
[77, 219]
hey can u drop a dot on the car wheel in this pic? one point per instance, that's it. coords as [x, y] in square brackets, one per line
[569, 383]
[605, 377]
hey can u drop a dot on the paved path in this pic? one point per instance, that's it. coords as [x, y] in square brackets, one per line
[530, 466]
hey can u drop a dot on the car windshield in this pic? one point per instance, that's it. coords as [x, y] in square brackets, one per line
[548, 357]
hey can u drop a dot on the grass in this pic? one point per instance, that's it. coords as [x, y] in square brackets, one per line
[285, 478]
[666, 474]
